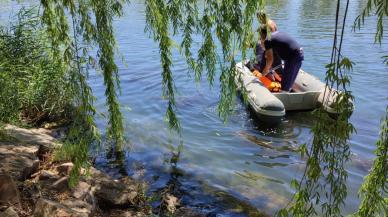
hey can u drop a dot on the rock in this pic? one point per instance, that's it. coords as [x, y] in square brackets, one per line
[10, 212]
[31, 191]
[127, 213]
[96, 174]
[57, 132]
[43, 152]
[32, 136]
[9, 194]
[47, 208]
[127, 180]
[65, 169]
[82, 171]
[46, 175]
[171, 202]
[28, 171]
[187, 212]
[81, 190]
[79, 206]
[115, 194]
[16, 157]
[61, 184]
[109, 192]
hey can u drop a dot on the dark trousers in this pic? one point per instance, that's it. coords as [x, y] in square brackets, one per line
[291, 69]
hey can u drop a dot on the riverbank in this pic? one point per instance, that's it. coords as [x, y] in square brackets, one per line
[33, 184]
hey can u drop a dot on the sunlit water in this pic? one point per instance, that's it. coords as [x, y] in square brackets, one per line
[224, 167]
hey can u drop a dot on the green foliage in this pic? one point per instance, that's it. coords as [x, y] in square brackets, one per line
[44, 63]
[71, 31]
[375, 187]
[324, 180]
[92, 26]
[41, 84]
[157, 19]
[69, 25]
[374, 7]
[34, 87]
[221, 24]
[76, 147]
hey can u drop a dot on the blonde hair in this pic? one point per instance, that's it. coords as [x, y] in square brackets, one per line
[262, 16]
[264, 20]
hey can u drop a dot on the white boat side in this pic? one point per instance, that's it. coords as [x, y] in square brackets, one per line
[266, 106]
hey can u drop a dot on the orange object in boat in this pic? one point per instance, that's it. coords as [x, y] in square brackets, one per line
[273, 86]
[265, 80]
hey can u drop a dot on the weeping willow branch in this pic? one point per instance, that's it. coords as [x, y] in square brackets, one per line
[98, 30]
[104, 12]
[92, 28]
[224, 25]
[374, 189]
[374, 7]
[324, 180]
[157, 20]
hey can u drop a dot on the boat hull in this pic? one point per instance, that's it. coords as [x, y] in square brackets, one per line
[308, 93]
[266, 106]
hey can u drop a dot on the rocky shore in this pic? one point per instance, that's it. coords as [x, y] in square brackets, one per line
[32, 184]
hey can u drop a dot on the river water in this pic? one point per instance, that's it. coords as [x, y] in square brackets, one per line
[227, 168]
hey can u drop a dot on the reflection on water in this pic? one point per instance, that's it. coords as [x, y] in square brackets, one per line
[256, 177]
[271, 165]
[242, 162]
[267, 144]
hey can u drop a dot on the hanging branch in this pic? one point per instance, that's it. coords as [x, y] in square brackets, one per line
[225, 23]
[374, 189]
[324, 180]
[379, 8]
[91, 27]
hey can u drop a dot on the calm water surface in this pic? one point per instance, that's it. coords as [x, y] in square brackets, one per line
[239, 164]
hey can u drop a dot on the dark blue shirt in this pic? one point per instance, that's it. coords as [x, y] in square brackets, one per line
[260, 58]
[259, 51]
[281, 43]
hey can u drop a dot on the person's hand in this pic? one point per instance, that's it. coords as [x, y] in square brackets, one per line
[272, 77]
[257, 73]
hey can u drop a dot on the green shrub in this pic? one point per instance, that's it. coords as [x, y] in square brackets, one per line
[34, 88]
[42, 84]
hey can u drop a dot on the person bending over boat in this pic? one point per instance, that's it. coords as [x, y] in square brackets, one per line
[260, 60]
[259, 48]
[288, 50]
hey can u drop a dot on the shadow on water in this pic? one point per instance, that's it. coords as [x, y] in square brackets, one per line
[169, 179]
[292, 120]
[116, 158]
[265, 143]
[288, 129]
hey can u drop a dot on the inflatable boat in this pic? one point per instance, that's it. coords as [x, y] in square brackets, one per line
[308, 93]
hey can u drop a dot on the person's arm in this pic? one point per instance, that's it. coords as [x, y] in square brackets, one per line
[268, 61]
